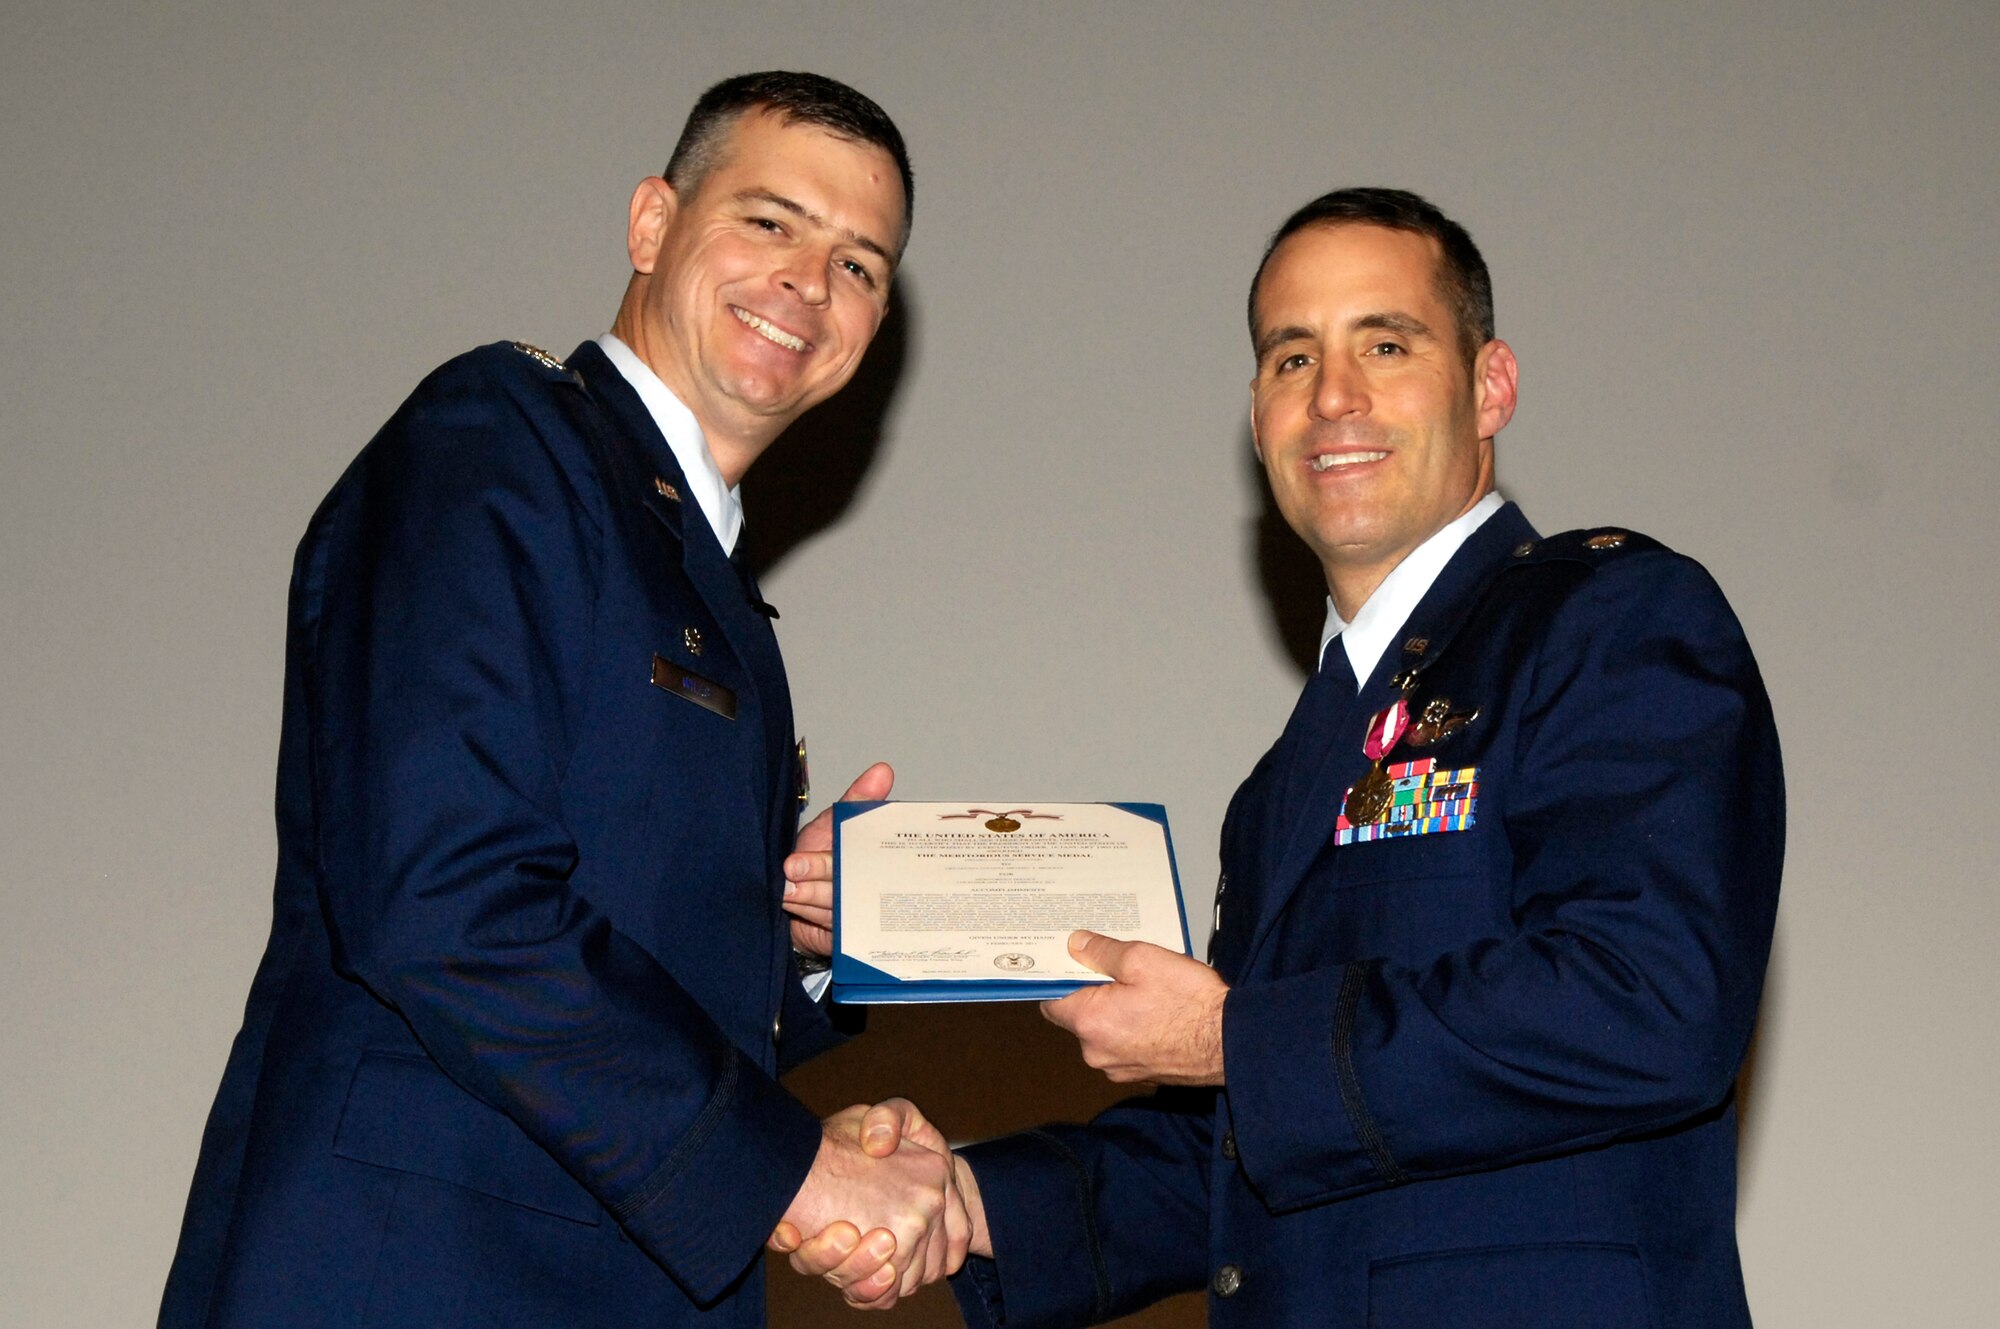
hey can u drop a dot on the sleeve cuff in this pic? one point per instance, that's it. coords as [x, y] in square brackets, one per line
[1294, 1124]
[1048, 1266]
[709, 1209]
[977, 1288]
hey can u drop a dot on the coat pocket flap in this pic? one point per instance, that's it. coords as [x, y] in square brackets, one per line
[404, 1113]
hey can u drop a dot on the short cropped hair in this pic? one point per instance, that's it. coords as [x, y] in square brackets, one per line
[799, 98]
[1462, 280]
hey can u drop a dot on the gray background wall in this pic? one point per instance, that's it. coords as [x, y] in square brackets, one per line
[1744, 253]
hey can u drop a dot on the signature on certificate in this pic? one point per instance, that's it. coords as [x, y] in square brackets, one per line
[940, 953]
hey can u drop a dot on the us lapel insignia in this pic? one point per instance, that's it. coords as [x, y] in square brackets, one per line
[805, 776]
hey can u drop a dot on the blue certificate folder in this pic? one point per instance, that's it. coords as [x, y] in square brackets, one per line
[856, 982]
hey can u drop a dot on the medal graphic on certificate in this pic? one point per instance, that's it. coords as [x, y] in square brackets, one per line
[999, 821]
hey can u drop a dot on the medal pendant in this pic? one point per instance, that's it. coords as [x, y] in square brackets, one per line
[1374, 794]
[1371, 798]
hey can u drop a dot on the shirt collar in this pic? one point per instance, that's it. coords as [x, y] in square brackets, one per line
[1400, 592]
[722, 505]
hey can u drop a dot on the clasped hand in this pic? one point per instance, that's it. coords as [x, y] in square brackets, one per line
[883, 1203]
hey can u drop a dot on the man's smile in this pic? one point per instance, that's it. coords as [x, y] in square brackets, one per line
[769, 330]
[1326, 461]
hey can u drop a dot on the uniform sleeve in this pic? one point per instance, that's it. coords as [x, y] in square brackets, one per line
[457, 581]
[1092, 1222]
[1645, 815]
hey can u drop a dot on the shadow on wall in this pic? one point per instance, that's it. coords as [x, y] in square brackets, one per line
[815, 470]
[1287, 572]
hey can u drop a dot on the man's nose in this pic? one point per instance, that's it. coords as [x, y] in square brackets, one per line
[1339, 390]
[805, 274]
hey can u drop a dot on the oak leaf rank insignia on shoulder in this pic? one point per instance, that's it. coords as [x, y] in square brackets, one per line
[540, 357]
[1590, 545]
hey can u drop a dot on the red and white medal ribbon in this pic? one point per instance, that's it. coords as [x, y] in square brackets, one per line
[1385, 729]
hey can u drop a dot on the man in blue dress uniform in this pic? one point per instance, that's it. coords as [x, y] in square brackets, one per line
[511, 1054]
[1494, 910]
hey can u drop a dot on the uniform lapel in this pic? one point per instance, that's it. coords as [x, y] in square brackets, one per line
[730, 594]
[1320, 779]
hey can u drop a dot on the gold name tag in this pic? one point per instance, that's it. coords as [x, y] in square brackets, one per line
[693, 687]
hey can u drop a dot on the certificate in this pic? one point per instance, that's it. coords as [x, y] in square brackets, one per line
[975, 902]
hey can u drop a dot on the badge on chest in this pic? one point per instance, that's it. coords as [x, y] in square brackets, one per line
[1402, 798]
[1414, 798]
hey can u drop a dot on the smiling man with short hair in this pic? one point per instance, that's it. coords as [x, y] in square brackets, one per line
[512, 1053]
[1494, 910]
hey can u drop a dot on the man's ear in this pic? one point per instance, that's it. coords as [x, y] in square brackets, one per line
[653, 206]
[1256, 444]
[1495, 381]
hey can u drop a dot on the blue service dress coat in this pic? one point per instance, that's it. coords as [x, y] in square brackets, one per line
[1477, 1074]
[511, 1054]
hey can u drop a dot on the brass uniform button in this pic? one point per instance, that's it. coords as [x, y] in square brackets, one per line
[1229, 1145]
[1523, 549]
[1608, 540]
[1228, 1281]
[691, 638]
[777, 1026]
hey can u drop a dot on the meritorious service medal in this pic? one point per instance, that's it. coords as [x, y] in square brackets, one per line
[1373, 794]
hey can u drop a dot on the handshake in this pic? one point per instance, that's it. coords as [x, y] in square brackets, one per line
[886, 1209]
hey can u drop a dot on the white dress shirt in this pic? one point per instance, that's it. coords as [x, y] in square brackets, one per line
[1397, 597]
[722, 505]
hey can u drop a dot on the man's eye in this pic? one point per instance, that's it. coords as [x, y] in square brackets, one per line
[765, 224]
[1296, 361]
[857, 270]
[1386, 348]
